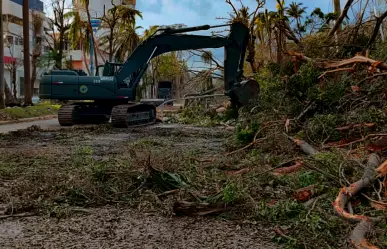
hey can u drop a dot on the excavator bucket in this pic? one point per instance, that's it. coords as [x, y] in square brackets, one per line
[246, 92]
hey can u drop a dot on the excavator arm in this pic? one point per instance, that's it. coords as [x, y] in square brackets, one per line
[114, 92]
[131, 72]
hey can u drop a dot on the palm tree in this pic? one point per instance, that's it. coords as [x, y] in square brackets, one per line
[37, 24]
[85, 5]
[296, 11]
[122, 37]
[126, 41]
[79, 34]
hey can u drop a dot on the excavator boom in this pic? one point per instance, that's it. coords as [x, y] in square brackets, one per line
[110, 93]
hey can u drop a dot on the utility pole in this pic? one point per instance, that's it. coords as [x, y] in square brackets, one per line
[26, 43]
[2, 100]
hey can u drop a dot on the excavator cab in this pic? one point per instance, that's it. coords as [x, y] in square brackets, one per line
[108, 69]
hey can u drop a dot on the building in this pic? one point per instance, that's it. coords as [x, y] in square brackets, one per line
[97, 9]
[13, 43]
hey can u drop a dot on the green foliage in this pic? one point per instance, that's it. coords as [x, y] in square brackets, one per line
[246, 135]
[323, 127]
[281, 210]
[164, 181]
[82, 155]
[380, 53]
[231, 193]
[304, 84]
[196, 114]
[28, 112]
[308, 178]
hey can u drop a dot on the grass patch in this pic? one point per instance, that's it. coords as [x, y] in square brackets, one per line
[38, 110]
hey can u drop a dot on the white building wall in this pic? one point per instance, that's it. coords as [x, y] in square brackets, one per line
[15, 50]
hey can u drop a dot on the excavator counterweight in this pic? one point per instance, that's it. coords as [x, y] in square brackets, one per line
[112, 95]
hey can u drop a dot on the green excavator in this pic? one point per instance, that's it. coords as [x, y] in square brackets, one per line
[112, 96]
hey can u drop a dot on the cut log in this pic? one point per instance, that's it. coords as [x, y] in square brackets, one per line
[304, 146]
[358, 236]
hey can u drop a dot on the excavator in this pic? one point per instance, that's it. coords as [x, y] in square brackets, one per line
[112, 96]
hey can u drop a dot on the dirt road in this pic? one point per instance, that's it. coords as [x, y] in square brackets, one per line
[113, 228]
[53, 173]
[50, 124]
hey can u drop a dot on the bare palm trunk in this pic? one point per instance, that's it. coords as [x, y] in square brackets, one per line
[85, 60]
[34, 74]
[13, 71]
[92, 34]
[58, 59]
[111, 40]
[27, 65]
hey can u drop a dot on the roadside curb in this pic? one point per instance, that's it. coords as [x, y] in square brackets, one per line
[23, 120]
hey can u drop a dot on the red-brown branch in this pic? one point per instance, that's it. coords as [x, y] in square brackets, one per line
[358, 235]
[358, 59]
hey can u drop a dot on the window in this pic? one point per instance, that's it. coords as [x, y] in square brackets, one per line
[9, 39]
[21, 85]
[19, 41]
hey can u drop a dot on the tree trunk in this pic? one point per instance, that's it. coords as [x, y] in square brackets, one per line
[10, 101]
[13, 71]
[341, 18]
[337, 9]
[85, 60]
[92, 33]
[33, 76]
[26, 43]
[2, 82]
[379, 22]
[111, 40]
[58, 59]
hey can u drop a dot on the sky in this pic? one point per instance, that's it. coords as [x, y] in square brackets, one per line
[201, 12]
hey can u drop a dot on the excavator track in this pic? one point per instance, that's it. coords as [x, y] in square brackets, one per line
[65, 115]
[133, 115]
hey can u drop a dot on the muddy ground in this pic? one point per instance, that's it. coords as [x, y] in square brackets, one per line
[108, 188]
